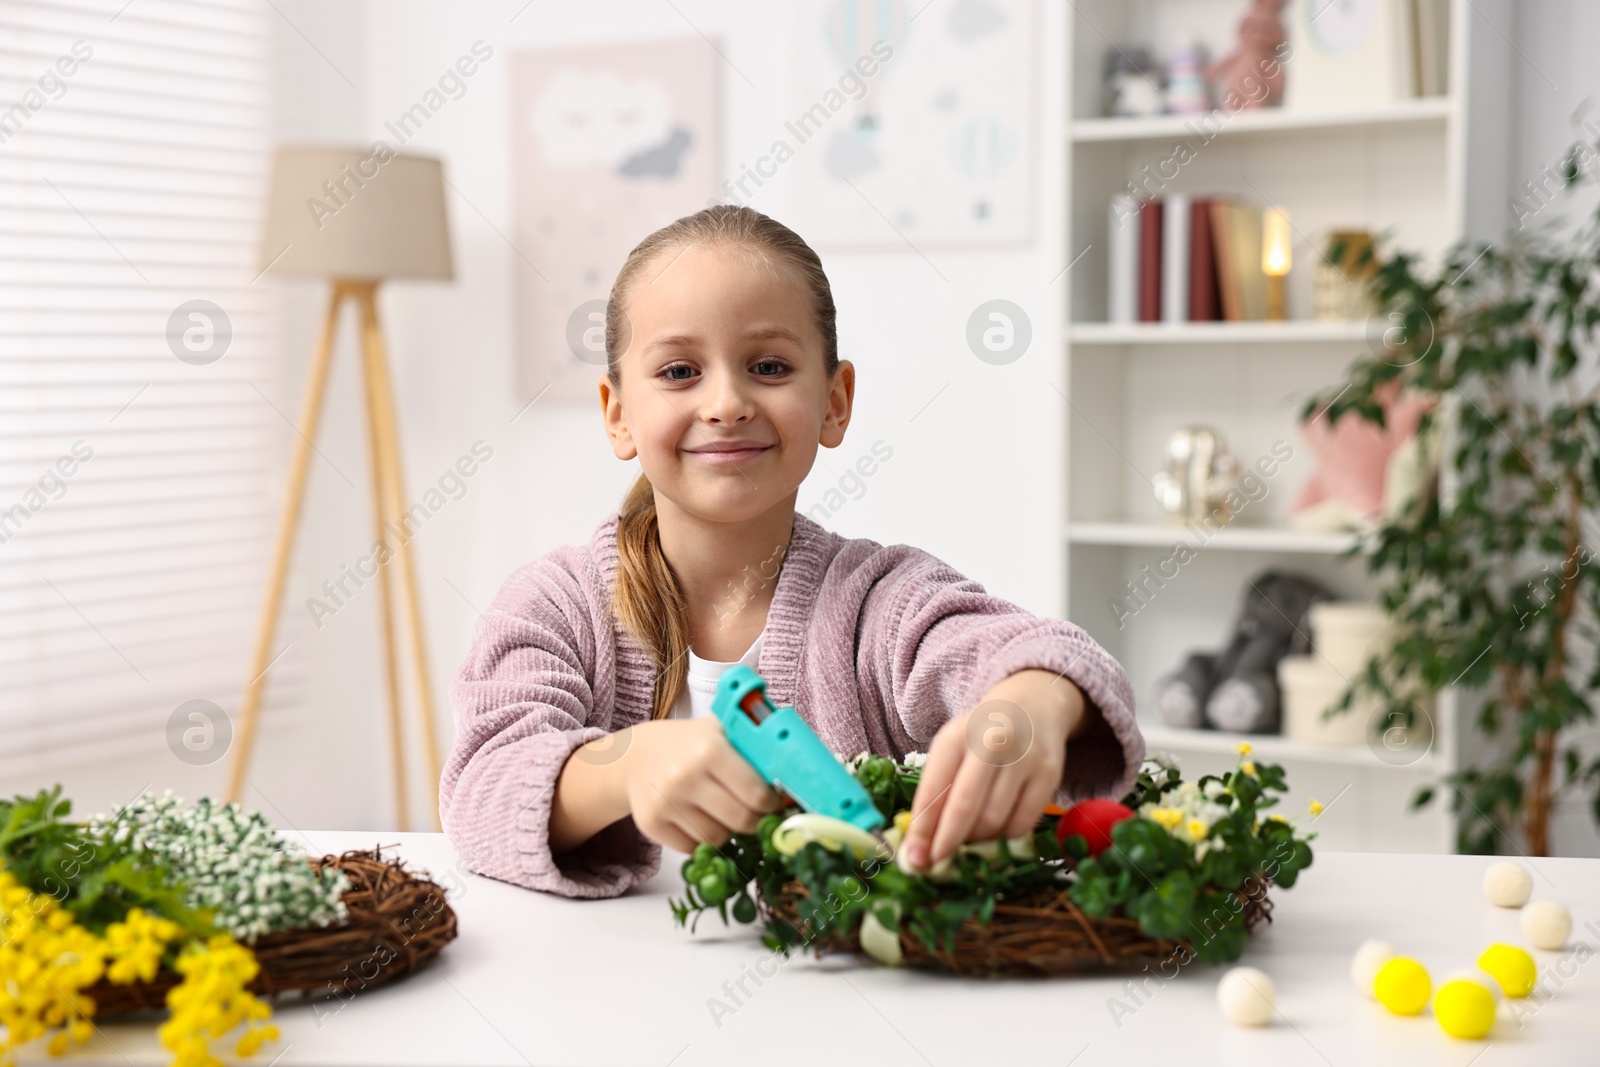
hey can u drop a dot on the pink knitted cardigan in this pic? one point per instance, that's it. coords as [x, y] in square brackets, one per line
[876, 646]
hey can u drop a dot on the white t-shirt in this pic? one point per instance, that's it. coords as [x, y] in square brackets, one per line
[701, 686]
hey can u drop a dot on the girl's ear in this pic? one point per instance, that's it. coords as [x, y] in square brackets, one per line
[841, 394]
[622, 445]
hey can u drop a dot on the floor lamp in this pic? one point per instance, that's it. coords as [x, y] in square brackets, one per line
[356, 217]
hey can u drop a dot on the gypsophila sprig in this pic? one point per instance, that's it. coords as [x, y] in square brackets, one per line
[236, 864]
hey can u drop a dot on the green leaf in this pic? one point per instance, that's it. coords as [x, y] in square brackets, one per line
[1164, 909]
[1142, 844]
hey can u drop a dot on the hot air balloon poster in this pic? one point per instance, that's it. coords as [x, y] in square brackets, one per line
[608, 143]
[934, 143]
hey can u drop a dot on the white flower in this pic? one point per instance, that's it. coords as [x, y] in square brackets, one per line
[232, 862]
[916, 759]
[1213, 789]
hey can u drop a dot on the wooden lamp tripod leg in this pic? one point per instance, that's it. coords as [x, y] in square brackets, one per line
[378, 383]
[382, 510]
[288, 519]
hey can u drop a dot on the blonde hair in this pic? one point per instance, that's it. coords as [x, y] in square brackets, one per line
[646, 598]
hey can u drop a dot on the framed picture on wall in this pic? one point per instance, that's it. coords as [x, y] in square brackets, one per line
[1349, 53]
[609, 143]
[915, 126]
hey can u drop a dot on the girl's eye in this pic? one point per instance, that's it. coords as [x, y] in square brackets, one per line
[778, 368]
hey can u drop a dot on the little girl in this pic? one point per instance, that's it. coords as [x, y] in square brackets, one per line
[583, 735]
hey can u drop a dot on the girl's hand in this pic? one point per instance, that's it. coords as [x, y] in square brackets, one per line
[686, 784]
[991, 771]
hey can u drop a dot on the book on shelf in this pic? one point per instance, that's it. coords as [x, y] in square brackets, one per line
[1431, 40]
[1236, 231]
[1175, 236]
[1204, 301]
[1123, 260]
[1150, 219]
[1183, 258]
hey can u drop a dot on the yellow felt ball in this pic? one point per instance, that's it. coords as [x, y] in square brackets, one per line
[1403, 986]
[1511, 968]
[1464, 1008]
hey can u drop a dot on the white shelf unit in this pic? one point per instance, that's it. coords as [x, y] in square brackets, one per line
[1212, 333]
[1274, 749]
[1234, 537]
[1263, 120]
[1428, 170]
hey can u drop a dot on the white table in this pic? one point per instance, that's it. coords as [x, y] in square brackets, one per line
[539, 980]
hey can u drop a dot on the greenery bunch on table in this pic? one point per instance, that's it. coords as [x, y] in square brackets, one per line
[1174, 860]
[1493, 589]
[152, 886]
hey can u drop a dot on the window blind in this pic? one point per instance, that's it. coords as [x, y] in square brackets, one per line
[139, 471]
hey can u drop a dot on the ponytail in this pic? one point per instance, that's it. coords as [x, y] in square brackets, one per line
[646, 596]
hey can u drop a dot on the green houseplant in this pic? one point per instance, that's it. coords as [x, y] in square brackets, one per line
[1494, 590]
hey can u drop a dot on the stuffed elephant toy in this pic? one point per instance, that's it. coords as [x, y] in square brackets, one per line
[1236, 689]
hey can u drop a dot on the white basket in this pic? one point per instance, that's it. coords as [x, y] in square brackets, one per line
[1346, 633]
[1307, 686]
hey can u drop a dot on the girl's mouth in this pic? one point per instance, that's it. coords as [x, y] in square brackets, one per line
[730, 457]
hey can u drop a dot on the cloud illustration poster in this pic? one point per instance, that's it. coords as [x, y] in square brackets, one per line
[937, 145]
[609, 143]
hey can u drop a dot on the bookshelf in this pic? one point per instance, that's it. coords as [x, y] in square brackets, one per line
[1431, 171]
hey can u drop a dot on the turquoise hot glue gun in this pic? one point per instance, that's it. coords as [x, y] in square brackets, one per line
[787, 753]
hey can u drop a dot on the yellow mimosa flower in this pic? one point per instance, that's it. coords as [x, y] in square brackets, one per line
[1167, 818]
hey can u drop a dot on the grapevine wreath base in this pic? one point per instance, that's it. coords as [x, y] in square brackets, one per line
[1039, 932]
[397, 922]
[1174, 871]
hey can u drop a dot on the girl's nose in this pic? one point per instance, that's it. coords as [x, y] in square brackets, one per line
[724, 398]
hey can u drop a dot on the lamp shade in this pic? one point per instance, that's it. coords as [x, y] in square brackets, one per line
[356, 213]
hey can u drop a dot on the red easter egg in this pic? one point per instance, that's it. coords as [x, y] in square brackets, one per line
[1094, 820]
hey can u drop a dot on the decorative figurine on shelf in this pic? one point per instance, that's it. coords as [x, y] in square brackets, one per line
[1341, 289]
[1237, 689]
[1187, 91]
[1132, 84]
[1252, 75]
[1200, 474]
[1366, 473]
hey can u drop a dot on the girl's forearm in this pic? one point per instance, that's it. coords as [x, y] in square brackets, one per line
[591, 792]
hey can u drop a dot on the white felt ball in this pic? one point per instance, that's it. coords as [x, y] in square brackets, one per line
[1246, 997]
[1546, 925]
[1367, 962]
[1507, 884]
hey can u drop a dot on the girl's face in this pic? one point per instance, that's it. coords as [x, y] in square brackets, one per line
[723, 396]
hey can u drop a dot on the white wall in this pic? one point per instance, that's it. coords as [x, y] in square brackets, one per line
[1556, 89]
